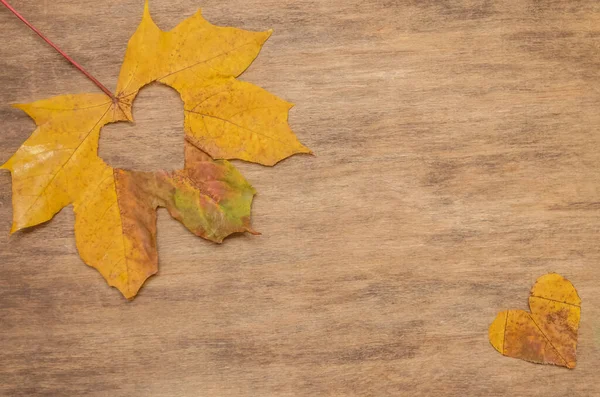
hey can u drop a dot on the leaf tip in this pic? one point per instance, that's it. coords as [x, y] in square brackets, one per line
[306, 150]
[146, 9]
[262, 36]
[13, 229]
[253, 232]
[130, 291]
[302, 149]
[25, 107]
[267, 34]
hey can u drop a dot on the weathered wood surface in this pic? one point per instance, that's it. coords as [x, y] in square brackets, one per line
[457, 150]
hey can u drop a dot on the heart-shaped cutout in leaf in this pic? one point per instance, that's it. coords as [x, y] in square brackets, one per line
[115, 209]
[547, 334]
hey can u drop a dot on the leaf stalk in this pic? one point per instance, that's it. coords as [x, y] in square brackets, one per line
[61, 52]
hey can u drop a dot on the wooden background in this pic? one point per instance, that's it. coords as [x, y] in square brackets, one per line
[457, 149]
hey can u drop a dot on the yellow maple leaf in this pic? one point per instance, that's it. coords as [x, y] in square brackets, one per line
[115, 224]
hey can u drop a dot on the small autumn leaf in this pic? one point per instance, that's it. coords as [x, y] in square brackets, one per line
[547, 334]
[115, 210]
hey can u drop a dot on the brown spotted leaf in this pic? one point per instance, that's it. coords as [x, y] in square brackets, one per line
[548, 333]
[115, 227]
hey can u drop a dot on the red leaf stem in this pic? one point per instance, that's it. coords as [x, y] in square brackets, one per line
[61, 52]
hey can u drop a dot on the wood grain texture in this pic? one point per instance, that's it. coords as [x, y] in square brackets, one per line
[456, 161]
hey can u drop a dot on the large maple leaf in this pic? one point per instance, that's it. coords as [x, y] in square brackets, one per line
[115, 210]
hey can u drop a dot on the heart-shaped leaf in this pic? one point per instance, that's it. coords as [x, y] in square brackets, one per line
[547, 334]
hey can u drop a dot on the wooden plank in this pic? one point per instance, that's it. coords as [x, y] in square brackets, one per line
[456, 161]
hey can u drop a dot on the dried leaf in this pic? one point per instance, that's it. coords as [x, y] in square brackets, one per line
[224, 117]
[547, 334]
[115, 225]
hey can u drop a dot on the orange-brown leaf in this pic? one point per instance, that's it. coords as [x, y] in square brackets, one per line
[548, 333]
